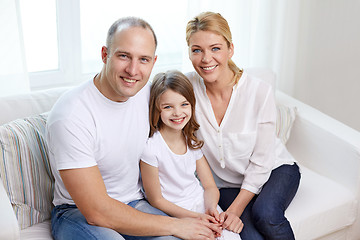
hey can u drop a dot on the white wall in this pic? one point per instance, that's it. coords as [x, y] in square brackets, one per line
[327, 69]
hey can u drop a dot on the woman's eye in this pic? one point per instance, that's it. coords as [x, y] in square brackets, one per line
[196, 50]
[216, 49]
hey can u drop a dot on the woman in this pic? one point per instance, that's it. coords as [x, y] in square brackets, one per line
[256, 175]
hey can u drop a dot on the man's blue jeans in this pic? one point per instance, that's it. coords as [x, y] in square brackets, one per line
[68, 223]
[263, 217]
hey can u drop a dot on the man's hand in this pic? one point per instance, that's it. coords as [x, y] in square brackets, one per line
[231, 222]
[191, 228]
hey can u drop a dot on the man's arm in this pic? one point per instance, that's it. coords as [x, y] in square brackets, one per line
[87, 189]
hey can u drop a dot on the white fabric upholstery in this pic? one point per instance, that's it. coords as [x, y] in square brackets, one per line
[8, 224]
[25, 105]
[40, 231]
[316, 204]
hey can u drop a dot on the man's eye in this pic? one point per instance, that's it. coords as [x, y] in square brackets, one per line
[144, 60]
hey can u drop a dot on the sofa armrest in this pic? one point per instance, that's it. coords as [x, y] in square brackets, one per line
[8, 223]
[324, 144]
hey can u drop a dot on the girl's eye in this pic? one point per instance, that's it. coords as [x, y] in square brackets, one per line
[196, 50]
[166, 107]
[185, 104]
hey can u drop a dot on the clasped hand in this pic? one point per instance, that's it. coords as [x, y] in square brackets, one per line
[225, 220]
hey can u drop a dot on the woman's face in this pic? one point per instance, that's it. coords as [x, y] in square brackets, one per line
[209, 54]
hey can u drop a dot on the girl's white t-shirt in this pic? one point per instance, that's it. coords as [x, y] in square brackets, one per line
[178, 181]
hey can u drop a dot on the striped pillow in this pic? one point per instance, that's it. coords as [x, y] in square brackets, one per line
[284, 122]
[25, 170]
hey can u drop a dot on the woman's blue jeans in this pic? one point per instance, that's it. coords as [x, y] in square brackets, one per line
[263, 217]
[68, 223]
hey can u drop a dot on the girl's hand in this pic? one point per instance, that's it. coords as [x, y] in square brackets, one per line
[214, 213]
[231, 222]
[208, 218]
[213, 222]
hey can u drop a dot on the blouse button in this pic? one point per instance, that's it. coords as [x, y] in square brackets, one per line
[222, 164]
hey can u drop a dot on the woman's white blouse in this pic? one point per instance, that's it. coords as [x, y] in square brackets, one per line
[244, 149]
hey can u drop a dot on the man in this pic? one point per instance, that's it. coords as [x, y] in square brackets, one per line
[96, 133]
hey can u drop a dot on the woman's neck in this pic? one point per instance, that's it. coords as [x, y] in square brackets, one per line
[221, 88]
[219, 93]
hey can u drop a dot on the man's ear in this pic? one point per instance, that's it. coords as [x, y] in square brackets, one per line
[104, 54]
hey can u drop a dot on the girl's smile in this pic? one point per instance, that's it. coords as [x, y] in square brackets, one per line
[175, 110]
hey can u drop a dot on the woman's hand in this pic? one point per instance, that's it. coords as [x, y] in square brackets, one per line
[231, 222]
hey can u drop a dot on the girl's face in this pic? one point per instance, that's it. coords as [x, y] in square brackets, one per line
[175, 110]
[209, 54]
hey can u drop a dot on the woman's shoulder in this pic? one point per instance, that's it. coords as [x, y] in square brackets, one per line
[259, 79]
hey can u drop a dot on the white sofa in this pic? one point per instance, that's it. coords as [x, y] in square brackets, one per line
[328, 152]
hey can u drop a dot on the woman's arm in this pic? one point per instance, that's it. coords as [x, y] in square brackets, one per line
[231, 217]
[151, 183]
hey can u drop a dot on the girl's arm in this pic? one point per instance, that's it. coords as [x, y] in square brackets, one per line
[151, 184]
[211, 192]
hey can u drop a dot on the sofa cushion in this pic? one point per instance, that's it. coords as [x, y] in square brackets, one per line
[39, 231]
[284, 121]
[25, 170]
[321, 206]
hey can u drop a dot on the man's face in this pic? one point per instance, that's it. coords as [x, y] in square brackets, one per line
[128, 63]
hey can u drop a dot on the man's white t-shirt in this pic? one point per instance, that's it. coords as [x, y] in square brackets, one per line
[86, 129]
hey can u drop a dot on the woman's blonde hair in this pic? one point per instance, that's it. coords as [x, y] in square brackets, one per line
[214, 22]
[177, 82]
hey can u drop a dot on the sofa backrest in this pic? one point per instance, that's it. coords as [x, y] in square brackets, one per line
[24, 105]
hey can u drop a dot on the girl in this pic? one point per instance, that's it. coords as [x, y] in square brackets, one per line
[257, 176]
[173, 154]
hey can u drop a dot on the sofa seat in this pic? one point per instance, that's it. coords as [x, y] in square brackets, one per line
[39, 231]
[321, 205]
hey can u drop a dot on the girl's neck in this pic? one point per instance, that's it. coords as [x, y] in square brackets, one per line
[175, 140]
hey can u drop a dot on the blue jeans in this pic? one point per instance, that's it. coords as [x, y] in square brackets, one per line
[263, 217]
[68, 223]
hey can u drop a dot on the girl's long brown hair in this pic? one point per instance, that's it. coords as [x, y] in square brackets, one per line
[178, 82]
